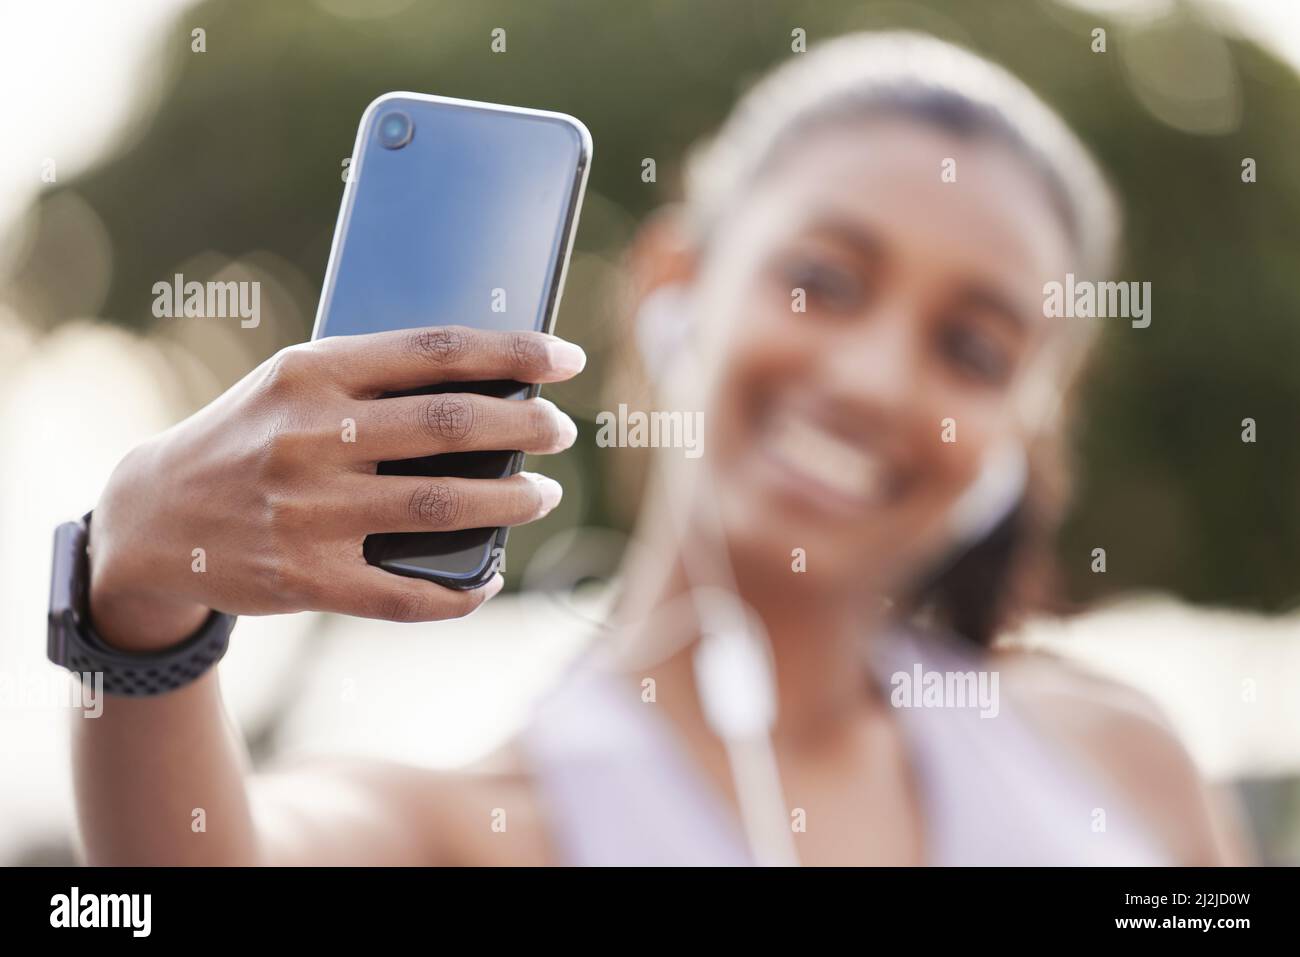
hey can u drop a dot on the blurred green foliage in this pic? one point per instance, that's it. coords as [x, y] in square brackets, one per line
[245, 151]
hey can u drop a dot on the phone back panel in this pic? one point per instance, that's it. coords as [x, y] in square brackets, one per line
[468, 223]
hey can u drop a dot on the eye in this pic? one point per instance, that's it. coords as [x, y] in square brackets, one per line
[975, 353]
[829, 288]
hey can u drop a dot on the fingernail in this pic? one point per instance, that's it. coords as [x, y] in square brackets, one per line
[565, 357]
[494, 586]
[548, 488]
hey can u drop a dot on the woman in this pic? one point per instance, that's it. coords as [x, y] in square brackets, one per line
[852, 294]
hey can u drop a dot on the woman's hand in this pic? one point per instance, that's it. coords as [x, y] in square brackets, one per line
[267, 483]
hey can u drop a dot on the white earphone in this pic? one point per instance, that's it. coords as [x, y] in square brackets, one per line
[993, 494]
[662, 326]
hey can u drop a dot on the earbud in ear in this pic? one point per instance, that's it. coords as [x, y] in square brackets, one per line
[662, 325]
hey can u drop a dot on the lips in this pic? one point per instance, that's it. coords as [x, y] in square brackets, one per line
[824, 467]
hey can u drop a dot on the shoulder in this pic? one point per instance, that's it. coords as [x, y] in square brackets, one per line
[1121, 732]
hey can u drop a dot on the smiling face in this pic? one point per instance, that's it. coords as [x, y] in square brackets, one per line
[922, 303]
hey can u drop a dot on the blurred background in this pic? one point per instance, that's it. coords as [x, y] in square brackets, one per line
[129, 156]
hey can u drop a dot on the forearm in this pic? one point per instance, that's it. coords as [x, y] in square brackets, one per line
[162, 780]
[165, 780]
[259, 485]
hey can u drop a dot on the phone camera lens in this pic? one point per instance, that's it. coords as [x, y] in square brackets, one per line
[395, 130]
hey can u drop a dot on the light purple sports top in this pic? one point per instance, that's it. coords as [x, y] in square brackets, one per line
[618, 787]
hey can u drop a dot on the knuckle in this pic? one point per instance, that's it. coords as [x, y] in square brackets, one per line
[283, 515]
[442, 344]
[288, 367]
[435, 504]
[448, 417]
[283, 450]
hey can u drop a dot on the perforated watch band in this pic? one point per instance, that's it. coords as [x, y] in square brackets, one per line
[74, 644]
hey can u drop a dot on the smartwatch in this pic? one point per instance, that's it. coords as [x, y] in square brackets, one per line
[74, 644]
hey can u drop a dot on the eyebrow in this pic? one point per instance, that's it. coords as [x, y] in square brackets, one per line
[864, 242]
[994, 302]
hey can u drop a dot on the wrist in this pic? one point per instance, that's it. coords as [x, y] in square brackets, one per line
[132, 618]
[132, 622]
[158, 642]
[128, 606]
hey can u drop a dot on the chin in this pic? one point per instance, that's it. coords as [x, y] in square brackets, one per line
[854, 553]
[768, 540]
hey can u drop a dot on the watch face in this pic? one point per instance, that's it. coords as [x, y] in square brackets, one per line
[65, 585]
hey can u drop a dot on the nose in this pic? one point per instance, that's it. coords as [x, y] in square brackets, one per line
[873, 368]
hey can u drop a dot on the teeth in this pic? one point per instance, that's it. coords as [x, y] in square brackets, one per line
[826, 459]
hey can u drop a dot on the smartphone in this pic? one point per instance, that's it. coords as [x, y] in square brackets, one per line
[454, 213]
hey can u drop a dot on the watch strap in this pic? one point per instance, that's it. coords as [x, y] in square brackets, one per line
[74, 644]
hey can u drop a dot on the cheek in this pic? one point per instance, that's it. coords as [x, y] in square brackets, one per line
[751, 347]
[972, 423]
[948, 424]
[949, 470]
[743, 323]
[956, 420]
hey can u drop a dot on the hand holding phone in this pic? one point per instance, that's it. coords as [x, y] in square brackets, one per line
[396, 437]
[260, 503]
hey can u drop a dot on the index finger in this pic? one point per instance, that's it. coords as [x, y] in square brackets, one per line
[380, 362]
